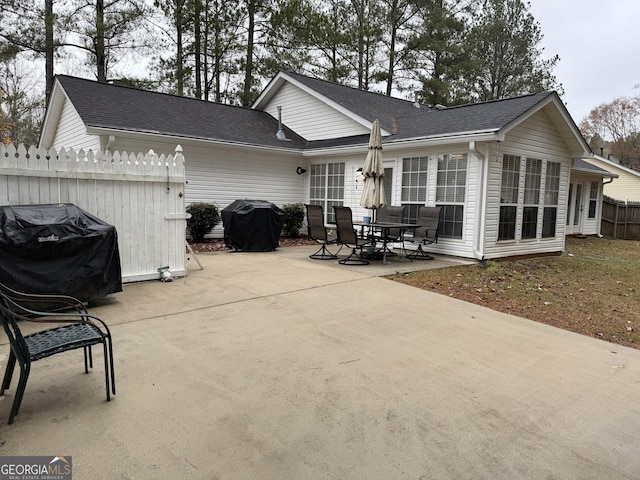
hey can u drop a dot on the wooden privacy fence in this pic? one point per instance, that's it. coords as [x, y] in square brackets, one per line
[620, 219]
[142, 195]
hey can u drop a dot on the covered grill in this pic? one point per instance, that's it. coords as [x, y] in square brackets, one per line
[252, 225]
[58, 249]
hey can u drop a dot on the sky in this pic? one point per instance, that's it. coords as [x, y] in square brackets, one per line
[598, 42]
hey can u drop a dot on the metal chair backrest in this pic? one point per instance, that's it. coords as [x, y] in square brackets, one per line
[315, 223]
[391, 214]
[344, 226]
[428, 219]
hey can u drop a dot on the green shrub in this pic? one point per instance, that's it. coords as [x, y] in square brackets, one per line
[293, 219]
[204, 216]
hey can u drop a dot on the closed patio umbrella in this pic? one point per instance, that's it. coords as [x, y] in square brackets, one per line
[373, 172]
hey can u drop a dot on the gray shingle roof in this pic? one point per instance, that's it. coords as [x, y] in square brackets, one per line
[130, 109]
[405, 120]
[584, 166]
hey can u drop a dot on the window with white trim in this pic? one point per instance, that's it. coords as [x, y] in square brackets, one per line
[327, 187]
[593, 199]
[414, 186]
[451, 186]
[551, 195]
[509, 197]
[532, 178]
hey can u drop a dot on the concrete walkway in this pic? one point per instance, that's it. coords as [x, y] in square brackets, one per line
[271, 366]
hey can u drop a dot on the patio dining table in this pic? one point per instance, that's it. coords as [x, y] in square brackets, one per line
[383, 229]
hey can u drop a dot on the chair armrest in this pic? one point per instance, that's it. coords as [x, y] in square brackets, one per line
[52, 302]
[28, 314]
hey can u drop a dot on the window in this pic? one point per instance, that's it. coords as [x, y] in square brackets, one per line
[414, 186]
[451, 186]
[529, 187]
[327, 187]
[593, 199]
[532, 176]
[551, 195]
[509, 197]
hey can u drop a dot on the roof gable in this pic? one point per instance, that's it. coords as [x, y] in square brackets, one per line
[111, 107]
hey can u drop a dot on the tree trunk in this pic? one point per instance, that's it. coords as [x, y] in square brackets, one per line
[48, 47]
[179, 51]
[197, 47]
[99, 42]
[248, 72]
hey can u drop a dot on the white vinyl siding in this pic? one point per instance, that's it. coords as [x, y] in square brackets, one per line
[310, 117]
[71, 132]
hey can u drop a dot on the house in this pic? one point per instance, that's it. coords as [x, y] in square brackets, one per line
[627, 184]
[501, 170]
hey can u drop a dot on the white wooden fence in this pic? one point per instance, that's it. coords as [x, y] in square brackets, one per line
[142, 195]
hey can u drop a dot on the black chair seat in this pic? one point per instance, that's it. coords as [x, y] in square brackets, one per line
[61, 339]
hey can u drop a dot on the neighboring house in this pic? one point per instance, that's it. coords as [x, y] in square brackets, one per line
[627, 184]
[501, 170]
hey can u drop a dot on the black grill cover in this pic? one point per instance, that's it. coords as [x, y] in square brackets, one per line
[252, 225]
[58, 249]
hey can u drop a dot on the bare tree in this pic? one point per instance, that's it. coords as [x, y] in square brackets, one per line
[618, 124]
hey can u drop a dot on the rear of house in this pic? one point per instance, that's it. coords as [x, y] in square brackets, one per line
[501, 171]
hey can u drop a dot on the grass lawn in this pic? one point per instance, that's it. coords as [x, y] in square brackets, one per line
[593, 288]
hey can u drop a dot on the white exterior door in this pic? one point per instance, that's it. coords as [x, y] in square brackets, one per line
[575, 208]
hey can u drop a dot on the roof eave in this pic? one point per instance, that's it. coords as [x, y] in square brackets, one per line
[594, 173]
[52, 114]
[186, 140]
[404, 143]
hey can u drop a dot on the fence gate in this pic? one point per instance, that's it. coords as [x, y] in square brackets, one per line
[142, 195]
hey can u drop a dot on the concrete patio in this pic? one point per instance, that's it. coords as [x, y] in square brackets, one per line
[274, 366]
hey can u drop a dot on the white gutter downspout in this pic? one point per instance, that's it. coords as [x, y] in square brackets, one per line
[478, 241]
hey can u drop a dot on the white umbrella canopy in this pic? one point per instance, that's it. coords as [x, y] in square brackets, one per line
[373, 172]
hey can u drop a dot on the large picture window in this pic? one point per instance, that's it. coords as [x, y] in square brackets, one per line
[414, 186]
[528, 198]
[451, 186]
[327, 187]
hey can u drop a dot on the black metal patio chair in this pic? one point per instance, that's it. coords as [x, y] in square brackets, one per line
[320, 233]
[348, 237]
[426, 232]
[392, 214]
[78, 329]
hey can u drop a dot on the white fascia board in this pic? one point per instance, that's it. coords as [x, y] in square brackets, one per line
[614, 164]
[184, 140]
[268, 91]
[484, 136]
[52, 114]
[282, 77]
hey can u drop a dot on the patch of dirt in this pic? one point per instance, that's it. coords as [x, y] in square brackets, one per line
[217, 244]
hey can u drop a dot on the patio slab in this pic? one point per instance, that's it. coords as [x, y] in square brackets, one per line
[273, 366]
